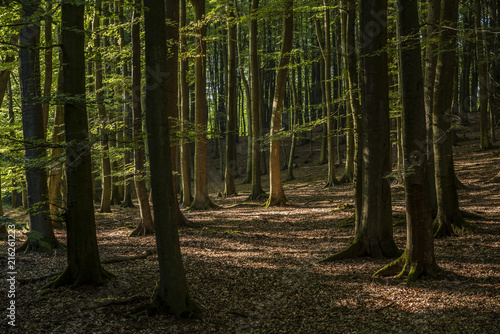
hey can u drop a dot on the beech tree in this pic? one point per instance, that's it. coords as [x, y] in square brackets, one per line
[146, 226]
[171, 295]
[276, 193]
[449, 219]
[418, 258]
[84, 266]
[33, 131]
[373, 228]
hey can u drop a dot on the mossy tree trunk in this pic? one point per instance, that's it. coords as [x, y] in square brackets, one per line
[84, 265]
[171, 295]
[418, 258]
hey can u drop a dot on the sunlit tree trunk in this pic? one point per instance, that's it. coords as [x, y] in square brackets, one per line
[276, 193]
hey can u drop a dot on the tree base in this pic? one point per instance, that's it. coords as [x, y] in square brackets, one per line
[358, 248]
[289, 178]
[331, 183]
[276, 202]
[257, 197]
[450, 225]
[157, 306]
[207, 205]
[347, 178]
[76, 279]
[29, 246]
[402, 267]
[142, 231]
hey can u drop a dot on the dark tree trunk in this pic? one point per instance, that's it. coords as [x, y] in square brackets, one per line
[374, 235]
[34, 132]
[171, 295]
[146, 226]
[84, 265]
[418, 258]
[256, 192]
[449, 220]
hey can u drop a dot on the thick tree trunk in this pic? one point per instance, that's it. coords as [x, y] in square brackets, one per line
[201, 199]
[276, 193]
[418, 258]
[47, 84]
[449, 219]
[171, 295]
[146, 226]
[374, 236]
[84, 265]
[33, 132]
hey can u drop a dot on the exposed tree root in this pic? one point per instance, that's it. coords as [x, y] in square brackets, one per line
[402, 267]
[35, 246]
[276, 202]
[127, 204]
[360, 248]
[331, 184]
[141, 231]
[261, 196]
[290, 178]
[450, 225]
[35, 279]
[207, 205]
[157, 306]
[112, 301]
[347, 178]
[77, 278]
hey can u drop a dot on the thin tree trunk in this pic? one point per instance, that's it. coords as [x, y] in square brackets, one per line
[276, 193]
[146, 226]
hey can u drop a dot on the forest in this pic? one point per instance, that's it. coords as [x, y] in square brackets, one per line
[260, 166]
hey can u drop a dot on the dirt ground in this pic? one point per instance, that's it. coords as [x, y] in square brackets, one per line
[255, 270]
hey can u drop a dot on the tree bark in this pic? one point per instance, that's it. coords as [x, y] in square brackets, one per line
[146, 226]
[99, 95]
[231, 166]
[276, 193]
[418, 258]
[449, 220]
[201, 199]
[33, 132]
[171, 295]
[374, 235]
[256, 193]
[84, 265]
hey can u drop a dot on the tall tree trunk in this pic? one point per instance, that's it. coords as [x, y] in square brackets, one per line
[431, 52]
[482, 64]
[33, 132]
[187, 197]
[256, 192]
[47, 84]
[374, 235]
[99, 95]
[171, 295]
[201, 199]
[276, 193]
[231, 166]
[295, 124]
[418, 258]
[84, 265]
[146, 226]
[449, 220]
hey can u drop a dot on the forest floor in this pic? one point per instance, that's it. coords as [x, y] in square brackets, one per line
[255, 269]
